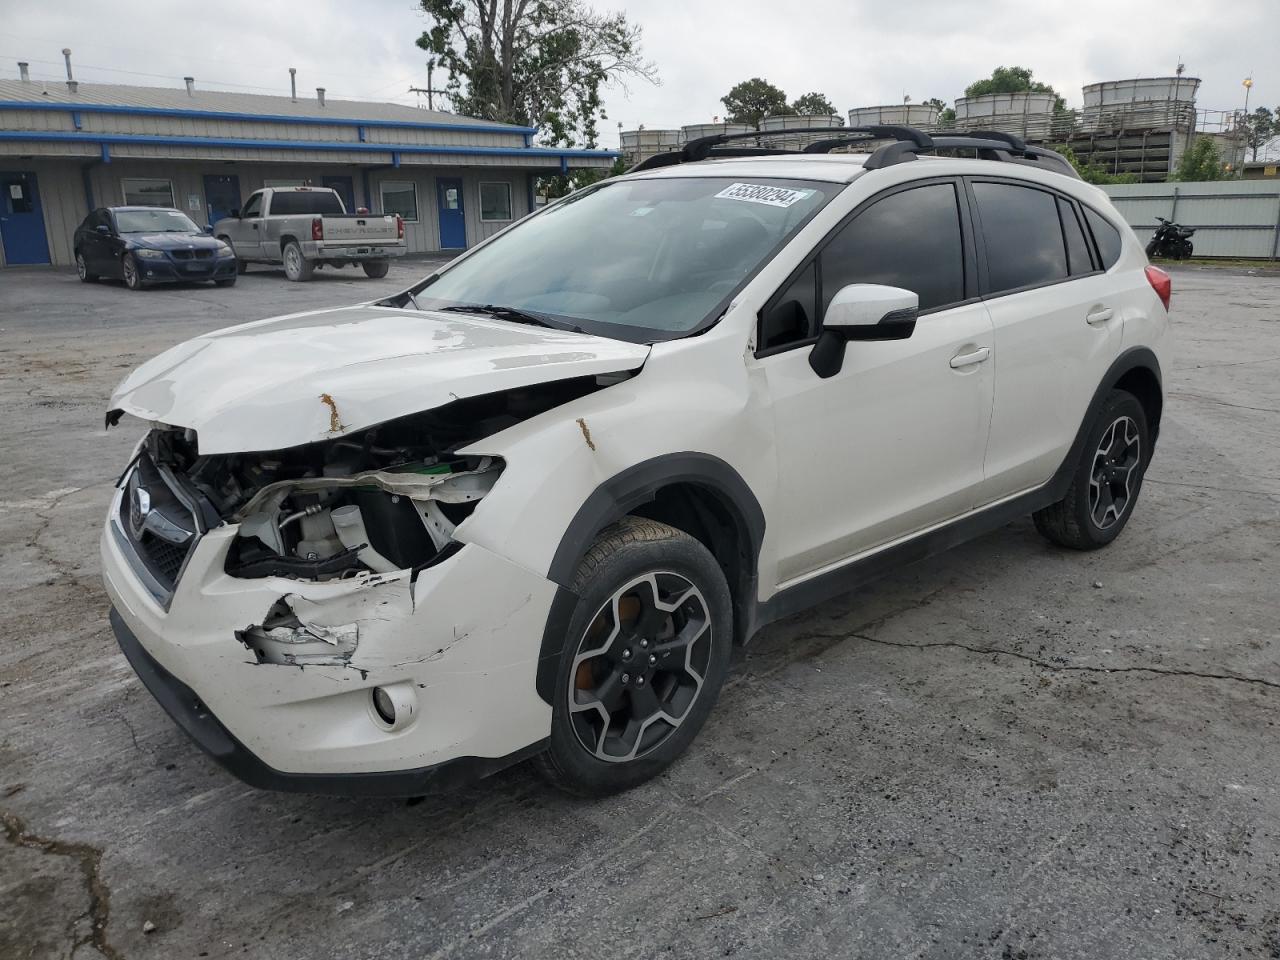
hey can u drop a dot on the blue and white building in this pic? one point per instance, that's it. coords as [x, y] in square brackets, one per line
[67, 148]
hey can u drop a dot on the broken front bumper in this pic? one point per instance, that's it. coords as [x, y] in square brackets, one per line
[459, 644]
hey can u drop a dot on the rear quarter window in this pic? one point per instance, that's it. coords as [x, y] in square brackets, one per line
[1105, 235]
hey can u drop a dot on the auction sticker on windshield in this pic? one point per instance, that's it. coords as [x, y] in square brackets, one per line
[759, 193]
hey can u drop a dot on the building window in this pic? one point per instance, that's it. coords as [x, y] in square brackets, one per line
[400, 197]
[147, 193]
[495, 201]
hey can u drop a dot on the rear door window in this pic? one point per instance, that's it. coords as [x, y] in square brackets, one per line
[1023, 236]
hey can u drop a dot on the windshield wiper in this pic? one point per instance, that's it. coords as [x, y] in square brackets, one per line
[508, 313]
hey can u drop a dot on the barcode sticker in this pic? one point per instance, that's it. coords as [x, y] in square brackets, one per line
[760, 193]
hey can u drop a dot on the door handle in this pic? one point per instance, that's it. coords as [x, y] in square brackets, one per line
[1099, 315]
[969, 359]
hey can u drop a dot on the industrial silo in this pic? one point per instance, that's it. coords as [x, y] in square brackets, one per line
[797, 122]
[641, 144]
[1026, 114]
[923, 116]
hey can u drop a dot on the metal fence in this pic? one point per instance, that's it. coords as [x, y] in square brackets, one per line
[1233, 218]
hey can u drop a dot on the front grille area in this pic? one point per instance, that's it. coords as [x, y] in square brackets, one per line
[191, 254]
[157, 523]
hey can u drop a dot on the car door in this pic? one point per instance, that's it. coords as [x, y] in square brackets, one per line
[1056, 316]
[97, 246]
[894, 442]
[246, 231]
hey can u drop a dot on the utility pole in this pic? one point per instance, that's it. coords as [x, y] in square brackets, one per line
[429, 90]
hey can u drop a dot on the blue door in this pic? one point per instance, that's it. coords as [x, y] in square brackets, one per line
[453, 225]
[221, 196]
[345, 189]
[22, 220]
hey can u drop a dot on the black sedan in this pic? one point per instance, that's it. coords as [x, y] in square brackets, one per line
[146, 245]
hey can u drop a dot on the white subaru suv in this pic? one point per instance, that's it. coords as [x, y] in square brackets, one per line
[525, 508]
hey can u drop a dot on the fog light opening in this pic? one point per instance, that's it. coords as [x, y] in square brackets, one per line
[384, 706]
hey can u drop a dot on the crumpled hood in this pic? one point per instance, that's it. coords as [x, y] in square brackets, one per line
[297, 379]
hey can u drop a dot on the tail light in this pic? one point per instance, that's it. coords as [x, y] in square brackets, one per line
[1161, 283]
[399, 227]
[317, 228]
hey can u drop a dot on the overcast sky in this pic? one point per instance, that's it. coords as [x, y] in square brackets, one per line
[857, 52]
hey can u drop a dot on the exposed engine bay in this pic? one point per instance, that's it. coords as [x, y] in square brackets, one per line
[378, 500]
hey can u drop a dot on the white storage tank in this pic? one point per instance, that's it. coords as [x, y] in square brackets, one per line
[637, 145]
[694, 131]
[1139, 103]
[798, 122]
[1026, 114]
[923, 116]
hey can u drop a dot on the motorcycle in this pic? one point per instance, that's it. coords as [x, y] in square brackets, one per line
[1171, 241]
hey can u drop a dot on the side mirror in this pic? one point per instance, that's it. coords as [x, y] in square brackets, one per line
[862, 311]
[208, 228]
[235, 212]
[103, 229]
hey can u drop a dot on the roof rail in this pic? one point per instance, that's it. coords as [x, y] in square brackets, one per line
[705, 147]
[908, 143]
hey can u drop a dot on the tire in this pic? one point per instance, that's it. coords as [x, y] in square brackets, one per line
[82, 269]
[1105, 485]
[656, 703]
[297, 267]
[1152, 247]
[129, 271]
[377, 269]
[1187, 250]
[225, 282]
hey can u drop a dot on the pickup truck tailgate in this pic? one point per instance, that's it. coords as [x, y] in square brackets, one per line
[360, 229]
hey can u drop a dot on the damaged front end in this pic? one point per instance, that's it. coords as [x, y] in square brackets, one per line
[374, 505]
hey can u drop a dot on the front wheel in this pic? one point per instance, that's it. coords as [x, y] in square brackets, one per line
[129, 270]
[1153, 246]
[82, 269]
[1106, 481]
[296, 267]
[376, 268]
[646, 654]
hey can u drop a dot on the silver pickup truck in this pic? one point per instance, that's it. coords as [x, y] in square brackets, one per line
[308, 227]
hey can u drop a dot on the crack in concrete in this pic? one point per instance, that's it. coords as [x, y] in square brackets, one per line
[1057, 667]
[90, 860]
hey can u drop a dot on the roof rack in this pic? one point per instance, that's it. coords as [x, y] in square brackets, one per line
[908, 144]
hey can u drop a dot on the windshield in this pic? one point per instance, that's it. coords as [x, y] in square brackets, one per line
[639, 260]
[154, 221]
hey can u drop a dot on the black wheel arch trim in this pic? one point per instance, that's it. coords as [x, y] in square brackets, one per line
[619, 496]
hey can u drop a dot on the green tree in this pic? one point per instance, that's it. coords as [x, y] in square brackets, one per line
[1201, 161]
[1093, 172]
[812, 105]
[752, 100]
[533, 62]
[1013, 80]
[1260, 127]
[945, 113]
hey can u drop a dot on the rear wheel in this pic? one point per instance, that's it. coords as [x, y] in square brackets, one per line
[1107, 480]
[82, 269]
[376, 268]
[129, 270]
[296, 267]
[647, 652]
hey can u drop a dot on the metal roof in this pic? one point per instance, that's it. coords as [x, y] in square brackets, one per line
[218, 101]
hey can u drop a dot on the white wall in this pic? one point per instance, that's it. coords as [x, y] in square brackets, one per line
[1233, 218]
